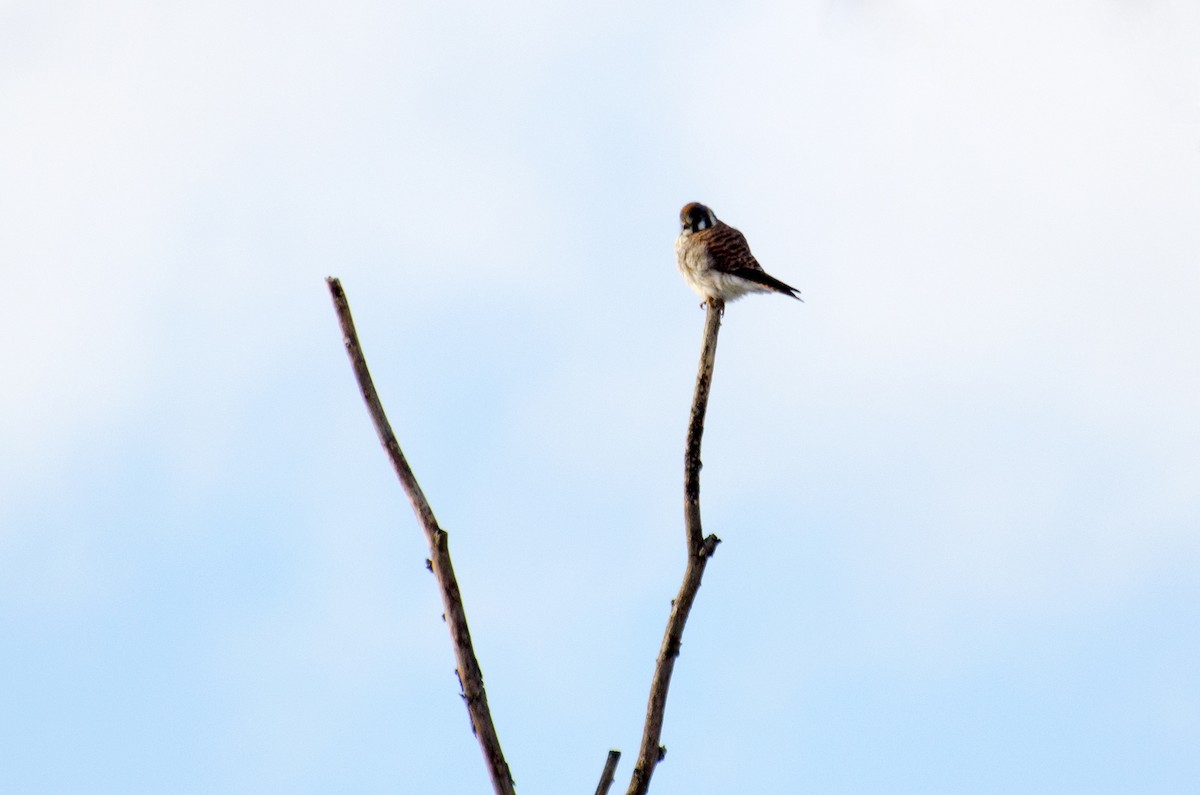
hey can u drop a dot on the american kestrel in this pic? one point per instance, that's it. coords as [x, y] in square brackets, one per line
[715, 259]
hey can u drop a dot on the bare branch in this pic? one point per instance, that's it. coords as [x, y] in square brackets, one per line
[697, 544]
[610, 770]
[469, 674]
[700, 549]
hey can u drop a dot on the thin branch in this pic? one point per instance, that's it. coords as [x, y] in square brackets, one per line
[698, 546]
[469, 674]
[700, 549]
[610, 771]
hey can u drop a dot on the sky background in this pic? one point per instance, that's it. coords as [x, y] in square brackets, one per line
[958, 487]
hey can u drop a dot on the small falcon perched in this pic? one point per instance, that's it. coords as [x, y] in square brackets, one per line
[715, 259]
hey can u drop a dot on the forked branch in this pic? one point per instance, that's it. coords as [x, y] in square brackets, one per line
[699, 548]
[469, 674]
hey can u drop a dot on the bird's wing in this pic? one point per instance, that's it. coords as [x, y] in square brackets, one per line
[728, 250]
[730, 254]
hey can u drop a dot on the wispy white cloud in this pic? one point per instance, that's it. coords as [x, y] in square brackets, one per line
[981, 419]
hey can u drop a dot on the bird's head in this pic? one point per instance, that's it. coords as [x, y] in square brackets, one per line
[695, 217]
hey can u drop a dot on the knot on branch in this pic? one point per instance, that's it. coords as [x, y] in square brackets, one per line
[470, 715]
[703, 550]
[662, 752]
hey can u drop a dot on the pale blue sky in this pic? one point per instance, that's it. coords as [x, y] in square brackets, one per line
[957, 487]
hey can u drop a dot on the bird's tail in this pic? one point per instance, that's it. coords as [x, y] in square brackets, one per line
[769, 281]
